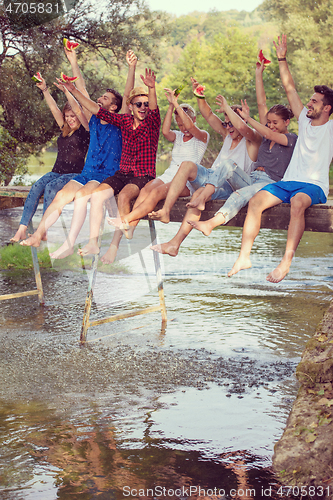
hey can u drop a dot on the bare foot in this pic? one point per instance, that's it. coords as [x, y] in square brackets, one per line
[65, 250]
[116, 222]
[123, 225]
[160, 215]
[279, 273]
[110, 255]
[241, 263]
[166, 248]
[33, 241]
[90, 248]
[20, 234]
[202, 226]
[197, 203]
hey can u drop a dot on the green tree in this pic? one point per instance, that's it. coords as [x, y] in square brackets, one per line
[308, 26]
[104, 40]
[13, 156]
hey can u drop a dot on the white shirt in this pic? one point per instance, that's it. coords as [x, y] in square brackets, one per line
[239, 155]
[313, 153]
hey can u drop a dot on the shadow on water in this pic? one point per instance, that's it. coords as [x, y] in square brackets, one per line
[141, 412]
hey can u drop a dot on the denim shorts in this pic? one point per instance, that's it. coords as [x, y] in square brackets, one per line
[285, 190]
[207, 176]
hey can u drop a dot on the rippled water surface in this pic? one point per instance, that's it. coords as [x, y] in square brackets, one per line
[198, 404]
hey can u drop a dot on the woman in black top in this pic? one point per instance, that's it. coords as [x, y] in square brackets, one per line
[73, 145]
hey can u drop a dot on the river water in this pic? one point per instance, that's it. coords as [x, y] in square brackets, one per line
[146, 412]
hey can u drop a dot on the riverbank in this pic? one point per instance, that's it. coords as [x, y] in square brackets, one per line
[303, 456]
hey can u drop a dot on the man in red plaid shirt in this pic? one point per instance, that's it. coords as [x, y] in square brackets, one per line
[140, 133]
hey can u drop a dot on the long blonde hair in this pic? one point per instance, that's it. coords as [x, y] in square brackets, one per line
[66, 129]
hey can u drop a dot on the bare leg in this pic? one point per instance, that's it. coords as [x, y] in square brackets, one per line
[298, 204]
[260, 202]
[149, 196]
[102, 193]
[207, 226]
[52, 213]
[125, 197]
[200, 201]
[187, 171]
[172, 247]
[79, 215]
[20, 234]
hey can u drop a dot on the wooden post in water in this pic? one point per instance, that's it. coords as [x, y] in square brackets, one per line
[158, 272]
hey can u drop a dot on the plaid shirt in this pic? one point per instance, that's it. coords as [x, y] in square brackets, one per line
[139, 148]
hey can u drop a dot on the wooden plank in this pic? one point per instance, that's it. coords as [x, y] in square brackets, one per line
[318, 218]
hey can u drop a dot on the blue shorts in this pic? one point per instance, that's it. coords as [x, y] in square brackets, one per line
[285, 190]
[86, 177]
[206, 176]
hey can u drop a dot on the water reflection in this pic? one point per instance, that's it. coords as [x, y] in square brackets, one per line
[199, 404]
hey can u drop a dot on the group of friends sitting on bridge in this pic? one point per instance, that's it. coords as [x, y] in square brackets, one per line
[260, 164]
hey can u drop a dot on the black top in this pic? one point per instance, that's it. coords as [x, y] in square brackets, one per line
[72, 152]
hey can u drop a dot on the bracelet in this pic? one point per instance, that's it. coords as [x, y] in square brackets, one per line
[43, 90]
[282, 59]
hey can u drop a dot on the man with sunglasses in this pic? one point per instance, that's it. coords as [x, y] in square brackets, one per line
[140, 134]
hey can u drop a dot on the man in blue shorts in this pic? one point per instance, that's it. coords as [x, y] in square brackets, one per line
[306, 180]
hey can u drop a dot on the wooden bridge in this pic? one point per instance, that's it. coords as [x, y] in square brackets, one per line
[318, 218]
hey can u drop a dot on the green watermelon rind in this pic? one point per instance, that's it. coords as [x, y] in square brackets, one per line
[69, 48]
[36, 79]
[198, 96]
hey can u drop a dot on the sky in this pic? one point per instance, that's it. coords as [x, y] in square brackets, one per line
[186, 6]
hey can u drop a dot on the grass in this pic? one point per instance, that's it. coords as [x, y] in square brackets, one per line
[19, 257]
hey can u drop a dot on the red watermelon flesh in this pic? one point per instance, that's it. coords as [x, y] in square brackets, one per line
[70, 45]
[68, 79]
[199, 92]
[37, 78]
[261, 58]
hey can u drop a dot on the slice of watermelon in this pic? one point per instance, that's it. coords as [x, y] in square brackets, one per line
[68, 79]
[37, 78]
[199, 92]
[70, 45]
[262, 58]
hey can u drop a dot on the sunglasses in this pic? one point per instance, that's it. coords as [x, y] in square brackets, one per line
[228, 124]
[139, 104]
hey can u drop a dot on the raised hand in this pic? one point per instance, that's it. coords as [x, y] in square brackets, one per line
[149, 79]
[260, 68]
[171, 97]
[195, 83]
[221, 101]
[64, 85]
[245, 111]
[71, 55]
[42, 84]
[281, 47]
[131, 58]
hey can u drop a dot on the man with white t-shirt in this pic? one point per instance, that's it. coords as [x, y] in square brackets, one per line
[306, 180]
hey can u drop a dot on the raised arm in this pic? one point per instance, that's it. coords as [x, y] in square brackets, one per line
[149, 80]
[51, 103]
[71, 56]
[201, 135]
[287, 80]
[166, 126]
[260, 91]
[246, 131]
[76, 108]
[131, 61]
[214, 121]
[262, 129]
[86, 102]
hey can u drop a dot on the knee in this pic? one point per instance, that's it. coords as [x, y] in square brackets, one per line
[255, 204]
[297, 207]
